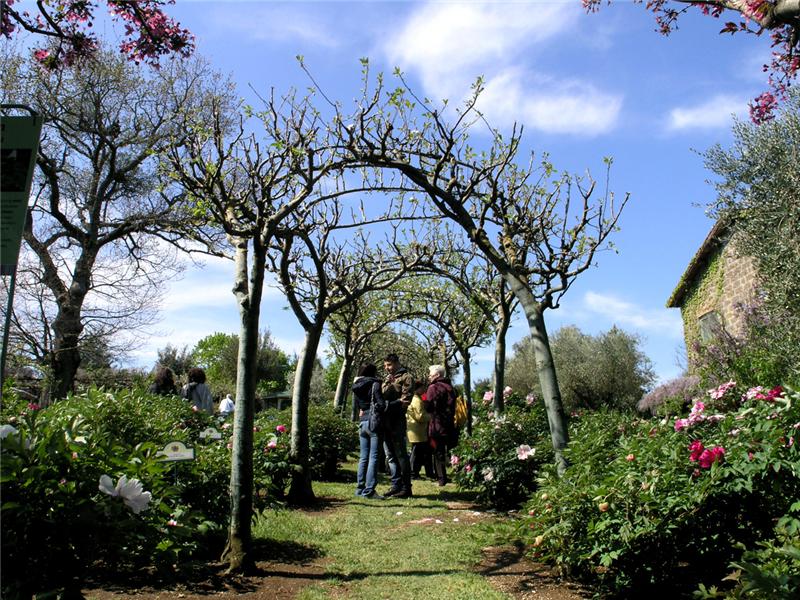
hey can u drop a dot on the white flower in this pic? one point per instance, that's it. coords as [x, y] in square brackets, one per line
[488, 473]
[130, 490]
[524, 452]
[6, 430]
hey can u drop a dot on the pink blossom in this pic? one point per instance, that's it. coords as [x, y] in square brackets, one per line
[488, 396]
[74, 456]
[630, 457]
[468, 468]
[281, 429]
[41, 55]
[172, 523]
[720, 391]
[681, 424]
[524, 452]
[230, 445]
[195, 409]
[507, 391]
[272, 444]
[34, 406]
[454, 460]
[530, 398]
[62, 482]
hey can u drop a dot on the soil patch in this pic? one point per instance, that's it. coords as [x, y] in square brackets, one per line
[510, 571]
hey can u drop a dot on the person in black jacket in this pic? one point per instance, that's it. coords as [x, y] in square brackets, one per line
[366, 392]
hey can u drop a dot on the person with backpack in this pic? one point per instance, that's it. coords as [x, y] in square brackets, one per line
[371, 409]
[197, 392]
[440, 403]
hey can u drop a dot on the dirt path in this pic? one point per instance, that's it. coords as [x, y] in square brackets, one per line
[283, 577]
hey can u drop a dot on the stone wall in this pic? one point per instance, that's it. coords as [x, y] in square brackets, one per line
[727, 280]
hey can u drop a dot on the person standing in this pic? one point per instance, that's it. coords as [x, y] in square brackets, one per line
[398, 389]
[440, 403]
[227, 406]
[163, 383]
[197, 392]
[417, 422]
[366, 392]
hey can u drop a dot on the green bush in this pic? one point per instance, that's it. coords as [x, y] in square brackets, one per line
[490, 460]
[331, 440]
[661, 506]
[57, 523]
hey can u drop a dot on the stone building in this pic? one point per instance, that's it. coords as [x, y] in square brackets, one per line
[718, 281]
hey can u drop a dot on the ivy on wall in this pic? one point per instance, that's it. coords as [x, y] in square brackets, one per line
[703, 295]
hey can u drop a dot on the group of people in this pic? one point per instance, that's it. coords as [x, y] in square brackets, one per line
[397, 409]
[195, 391]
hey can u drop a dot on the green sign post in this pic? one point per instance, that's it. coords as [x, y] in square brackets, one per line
[19, 143]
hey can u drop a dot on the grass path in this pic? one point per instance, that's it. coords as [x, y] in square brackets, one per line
[420, 547]
[434, 545]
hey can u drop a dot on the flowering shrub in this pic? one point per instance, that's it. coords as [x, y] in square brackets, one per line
[645, 508]
[503, 456]
[83, 486]
[671, 397]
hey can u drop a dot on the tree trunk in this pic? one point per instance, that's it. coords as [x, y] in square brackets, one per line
[545, 368]
[65, 357]
[343, 386]
[301, 491]
[500, 361]
[468, 389]
[239, 551]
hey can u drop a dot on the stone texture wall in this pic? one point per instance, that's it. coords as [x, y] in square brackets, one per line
[727, 280]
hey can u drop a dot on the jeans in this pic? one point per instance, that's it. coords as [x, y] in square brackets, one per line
[367, 460]
[397, 455]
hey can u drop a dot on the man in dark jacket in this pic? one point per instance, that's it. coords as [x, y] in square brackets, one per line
[440, 402]
[398, 390]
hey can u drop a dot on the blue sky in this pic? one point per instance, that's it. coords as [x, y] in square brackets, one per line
[584, 86]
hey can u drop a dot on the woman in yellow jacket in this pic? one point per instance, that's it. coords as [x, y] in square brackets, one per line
[417, 420]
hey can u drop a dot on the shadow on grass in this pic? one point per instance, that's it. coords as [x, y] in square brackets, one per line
[209, 577]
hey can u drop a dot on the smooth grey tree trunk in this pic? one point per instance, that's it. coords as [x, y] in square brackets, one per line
[500, 361]
[300, 490]
[343, 385]
[238, 552]
[468, 388]
[545, 368]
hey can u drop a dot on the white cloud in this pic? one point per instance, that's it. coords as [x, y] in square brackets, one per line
[274, 23]
[554, 107]
[448, 45]
[713, 113]
[660, 321]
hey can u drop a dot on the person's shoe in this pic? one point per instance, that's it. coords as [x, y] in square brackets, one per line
[442, 483]
[392, 492]
[374, 496]
[404, 494]
[359, 492]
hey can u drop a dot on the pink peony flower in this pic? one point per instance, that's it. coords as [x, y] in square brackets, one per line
[488, 396]
[281, 429]
[172, 523]
[454, 460]
[530, 398]
[681, 424]
[468, 468]
[272, 444]
[507, 391]
[34, 406]
[630, 457]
